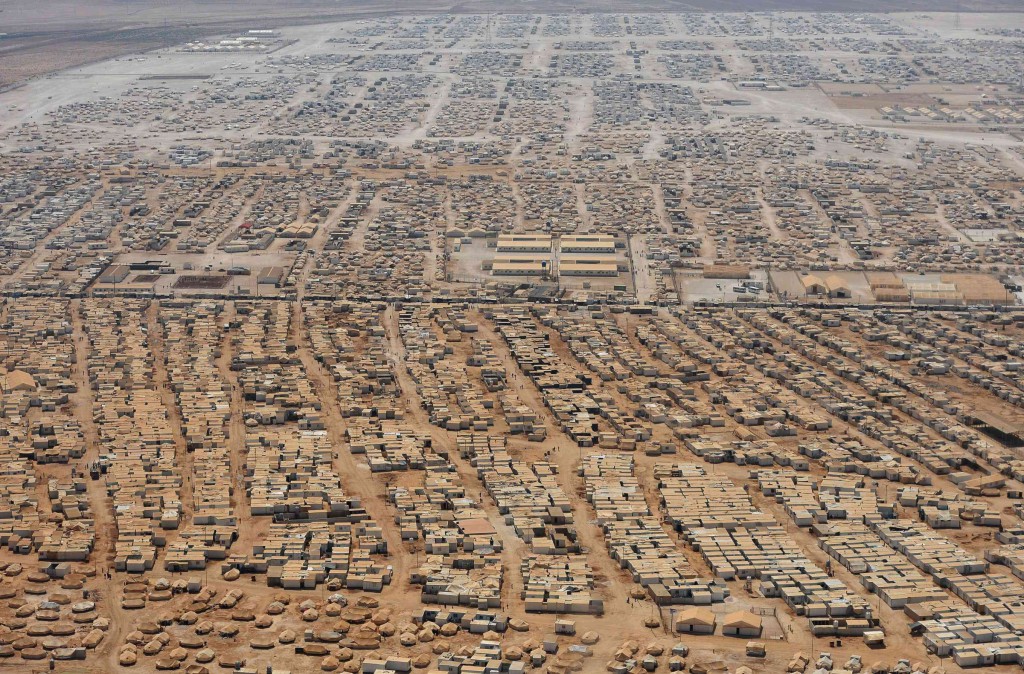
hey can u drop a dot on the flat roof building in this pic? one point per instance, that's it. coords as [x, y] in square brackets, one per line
[587, 243]
[587, 265]
[520, 266]
[524, 243]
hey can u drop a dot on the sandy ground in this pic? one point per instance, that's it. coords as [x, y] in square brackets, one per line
[623, 619]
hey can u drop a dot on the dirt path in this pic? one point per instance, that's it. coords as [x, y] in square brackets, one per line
[100, 505]
[355, 476]
[580, 190]
[581, 116]
[613, 582]
[250, 529]
[236, 421]
[514, 549]
[407, 387]
[182, 457]
[768, 217]
[427, 119]
[644, 286]
[660, 210]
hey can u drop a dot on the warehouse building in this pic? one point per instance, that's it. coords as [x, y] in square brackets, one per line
[520, 265]
[696, 620]
[934, 293]
[590, 243]
[587, 265]
[887, 287]
[831, 286]
[814, 285]
[524, 243]
[741, 624]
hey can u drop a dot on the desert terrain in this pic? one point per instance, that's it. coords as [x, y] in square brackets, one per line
[452, 339]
